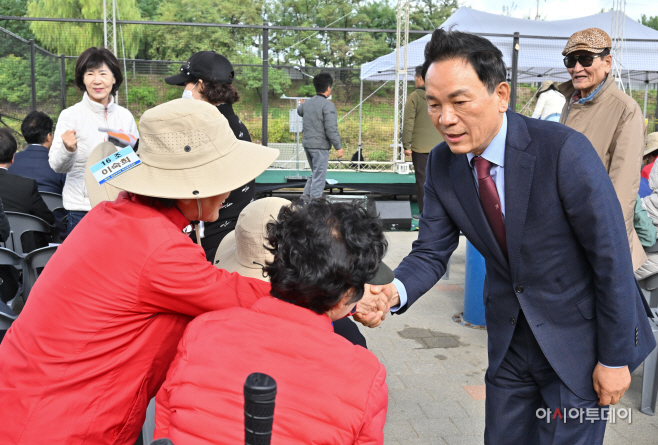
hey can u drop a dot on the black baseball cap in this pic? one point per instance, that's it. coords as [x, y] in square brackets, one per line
[203, 65]
[383, 276]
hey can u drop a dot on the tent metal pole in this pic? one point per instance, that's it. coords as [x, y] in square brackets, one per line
[358, 156]
[646, 94]
[515, 71]
[264, 104]
[655, 122]
[33, 74]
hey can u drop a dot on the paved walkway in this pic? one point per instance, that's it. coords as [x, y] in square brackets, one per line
[436, 369]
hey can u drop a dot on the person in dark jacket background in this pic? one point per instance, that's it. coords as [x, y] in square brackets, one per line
[320, 130]
[208, 76]
[37, 129]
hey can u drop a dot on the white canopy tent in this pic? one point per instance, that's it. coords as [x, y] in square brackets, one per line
[540, 46]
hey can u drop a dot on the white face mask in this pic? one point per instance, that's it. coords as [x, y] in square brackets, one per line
[187, 94]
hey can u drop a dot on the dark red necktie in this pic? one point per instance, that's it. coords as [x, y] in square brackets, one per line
[490, 201]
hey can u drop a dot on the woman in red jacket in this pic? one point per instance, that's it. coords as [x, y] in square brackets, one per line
[329, 391]
[101, 325]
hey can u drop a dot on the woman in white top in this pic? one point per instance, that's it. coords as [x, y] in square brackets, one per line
[549, 102]
[97, 73]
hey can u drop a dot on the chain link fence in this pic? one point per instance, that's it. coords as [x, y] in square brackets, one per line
[30, 78]
[38, 77]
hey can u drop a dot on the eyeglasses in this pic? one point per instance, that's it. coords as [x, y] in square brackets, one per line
[584, 60]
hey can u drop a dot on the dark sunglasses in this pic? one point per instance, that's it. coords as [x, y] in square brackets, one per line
[584, 60]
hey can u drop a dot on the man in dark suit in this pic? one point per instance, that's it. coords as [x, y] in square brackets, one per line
[37, 129]
[19, 194]
[565, 319]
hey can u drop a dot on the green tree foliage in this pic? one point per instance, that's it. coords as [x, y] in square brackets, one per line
[73, 38]
[430, 14]
[250, 78]
[180, 42]
[148, 8]
[651, 22]
[15, 80]
[312, 48]
[381, 15]
[15, 8]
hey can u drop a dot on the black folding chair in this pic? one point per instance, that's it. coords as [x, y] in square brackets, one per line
[19, 223]
[35, 261]
[7, 317]
[9, 258]
[52, 200]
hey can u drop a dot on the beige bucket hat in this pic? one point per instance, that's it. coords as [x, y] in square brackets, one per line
[243, 250]
[652, 143]
[189, 151]
[100, 192]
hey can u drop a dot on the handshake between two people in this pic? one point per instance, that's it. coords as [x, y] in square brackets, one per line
[376, 303]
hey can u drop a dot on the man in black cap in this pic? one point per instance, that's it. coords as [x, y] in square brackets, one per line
[208, 76]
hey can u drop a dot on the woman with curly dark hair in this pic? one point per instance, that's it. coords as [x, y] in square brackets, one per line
[328, 390]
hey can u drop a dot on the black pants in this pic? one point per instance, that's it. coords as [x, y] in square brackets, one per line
[345, 327]
[10, 283]
[420, 165]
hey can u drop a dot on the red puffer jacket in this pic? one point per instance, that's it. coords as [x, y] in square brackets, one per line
[329, 391]
[101, 326]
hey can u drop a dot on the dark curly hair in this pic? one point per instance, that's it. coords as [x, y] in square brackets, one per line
[217, 92]
[484, 57]
[322, 252]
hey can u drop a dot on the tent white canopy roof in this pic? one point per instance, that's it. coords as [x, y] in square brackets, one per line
[540, 46]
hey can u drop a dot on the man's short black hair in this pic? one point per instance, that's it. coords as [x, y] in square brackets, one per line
[322, 82]
[484, 57]
[322, 252]
[94, 58]
[36, 127]
[419, 71]
[7, 146]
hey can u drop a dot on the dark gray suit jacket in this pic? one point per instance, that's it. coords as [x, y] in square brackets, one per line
[569, 266]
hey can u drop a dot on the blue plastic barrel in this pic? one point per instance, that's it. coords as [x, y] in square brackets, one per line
[473, 287]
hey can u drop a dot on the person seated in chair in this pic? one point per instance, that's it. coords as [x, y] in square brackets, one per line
[328, 390]
[37, 129]
[21, 195]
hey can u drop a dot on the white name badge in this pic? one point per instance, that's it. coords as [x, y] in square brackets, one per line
[115, 164]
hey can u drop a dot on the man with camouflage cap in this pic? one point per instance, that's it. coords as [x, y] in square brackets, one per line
[610, 119]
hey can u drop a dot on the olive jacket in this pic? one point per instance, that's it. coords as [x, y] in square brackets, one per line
[418, 132]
